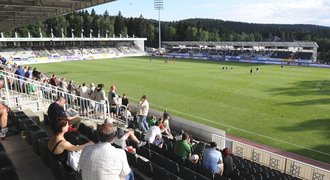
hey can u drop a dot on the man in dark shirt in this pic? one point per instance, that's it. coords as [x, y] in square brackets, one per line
[53, 80]
[124, 100]
[56, 110]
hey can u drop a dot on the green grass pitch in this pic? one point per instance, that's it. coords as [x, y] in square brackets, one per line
[277, 107]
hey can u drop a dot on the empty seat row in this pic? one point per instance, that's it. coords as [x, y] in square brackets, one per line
[7, 168]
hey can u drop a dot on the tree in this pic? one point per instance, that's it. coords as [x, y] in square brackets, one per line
[214, 36]
[202, 35]
[119, 25]
[169, 33]
[191, 34]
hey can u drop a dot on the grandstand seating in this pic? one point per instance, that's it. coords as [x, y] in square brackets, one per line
[20, 54]
[241, 54]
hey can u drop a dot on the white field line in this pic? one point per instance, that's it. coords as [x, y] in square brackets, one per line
[239, 129]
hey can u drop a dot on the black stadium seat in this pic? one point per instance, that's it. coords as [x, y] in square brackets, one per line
[170, 166]
[160, 173]
[201, 177]
[132, 159]
[186, 173]
[145, 166]
[22, 121]
[206, 172]
[192, 166]
[218, 177]
[29, 130]
[38, 136]
[5, 164]
[143, 151]
[9, 175]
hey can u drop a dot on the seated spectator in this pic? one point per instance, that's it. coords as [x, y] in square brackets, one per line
[122, 136]
[56, 109]
[102, 160]
[152, 121]
[127, 114]
[154, 135]
[57, 145]
[212, 159]
[228, 162]
[182, 147]
[179, 135]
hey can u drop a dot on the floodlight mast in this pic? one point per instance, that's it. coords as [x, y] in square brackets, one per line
[159, 5]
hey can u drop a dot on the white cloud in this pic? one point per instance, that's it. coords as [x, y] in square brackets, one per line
[280, 11]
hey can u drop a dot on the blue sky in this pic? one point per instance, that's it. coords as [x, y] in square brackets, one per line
[253, 11]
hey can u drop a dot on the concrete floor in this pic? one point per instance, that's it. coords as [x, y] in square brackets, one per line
[28, 164]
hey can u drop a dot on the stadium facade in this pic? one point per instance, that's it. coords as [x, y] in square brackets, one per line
[256, 52]
[49, 49]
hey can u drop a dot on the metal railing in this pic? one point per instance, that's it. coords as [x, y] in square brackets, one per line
[275, 161]
[19, 88]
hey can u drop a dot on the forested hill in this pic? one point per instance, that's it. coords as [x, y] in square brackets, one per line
[184, 30]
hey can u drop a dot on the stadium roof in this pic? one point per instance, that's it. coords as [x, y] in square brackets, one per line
[17, 13]
[238, 43]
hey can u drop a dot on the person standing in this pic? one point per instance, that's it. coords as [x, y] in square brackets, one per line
[143, 109]
[251, 71]
[112, 99]
[257, 70]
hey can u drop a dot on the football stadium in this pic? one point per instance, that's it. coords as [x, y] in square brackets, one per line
[86, 96]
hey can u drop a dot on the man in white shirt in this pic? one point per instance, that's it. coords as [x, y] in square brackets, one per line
[102, 161]
[153, 133]
[83, 91]
[143, 109]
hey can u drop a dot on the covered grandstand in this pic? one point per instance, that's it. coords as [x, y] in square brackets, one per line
[16, 13]
[42, 49]
[304, 52]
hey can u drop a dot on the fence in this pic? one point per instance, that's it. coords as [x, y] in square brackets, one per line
[281, 163]
[19, 89]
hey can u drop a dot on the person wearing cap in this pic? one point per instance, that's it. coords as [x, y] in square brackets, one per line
[212, 159]
[122, 136]
[228, 162]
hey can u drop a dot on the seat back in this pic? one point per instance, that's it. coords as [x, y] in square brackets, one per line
[186, 173]
[145, 167]
[206, 172]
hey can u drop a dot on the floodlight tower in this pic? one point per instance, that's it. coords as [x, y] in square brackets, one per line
[159, 5]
